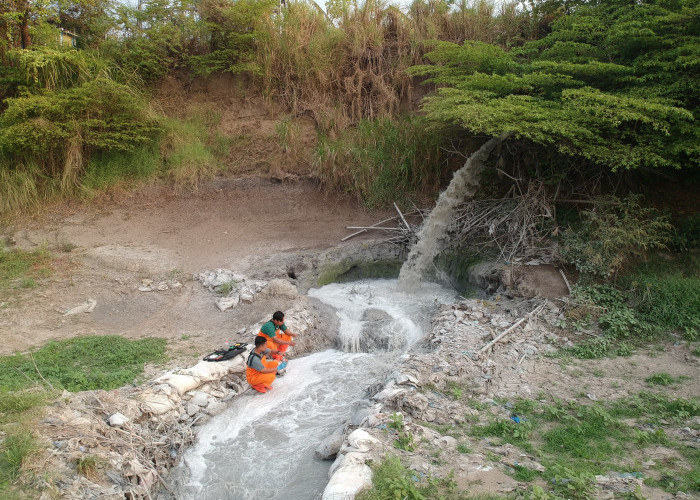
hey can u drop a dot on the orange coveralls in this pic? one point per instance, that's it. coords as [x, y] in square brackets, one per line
[255, 377]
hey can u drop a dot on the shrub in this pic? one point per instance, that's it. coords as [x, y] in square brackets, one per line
[392, 480]
[47, 138]
[191, 148]
[612, 234]
[381, 160]
[667, 299]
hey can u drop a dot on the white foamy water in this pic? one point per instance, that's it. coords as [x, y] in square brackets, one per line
[263, 445]
[433, 232]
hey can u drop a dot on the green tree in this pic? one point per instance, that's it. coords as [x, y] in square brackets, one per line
[614, 84]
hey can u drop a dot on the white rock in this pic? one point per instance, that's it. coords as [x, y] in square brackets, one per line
[214, 408]
[118, 420]
[362, 441]
[350, 477]
[199, 398]
[224, 303]
[280, 288]
[87, 307]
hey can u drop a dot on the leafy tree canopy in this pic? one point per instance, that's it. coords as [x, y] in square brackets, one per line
[615, 82]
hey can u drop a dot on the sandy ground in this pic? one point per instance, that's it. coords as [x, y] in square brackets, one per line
[230, 223]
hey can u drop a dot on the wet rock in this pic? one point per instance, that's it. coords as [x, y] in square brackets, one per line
[378, 333]
[215, 408]
[329, 447]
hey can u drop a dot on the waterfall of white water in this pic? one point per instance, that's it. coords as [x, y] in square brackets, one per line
[432, 234]
[263, 445]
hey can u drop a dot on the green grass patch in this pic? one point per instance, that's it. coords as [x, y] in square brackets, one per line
[192, 148]
[655, 407]
[667, 298]
[14, 451]
[82, 363]
[110, 169]
[20, 268]
[664, 378]
[13, 403]
[392, 481]
[575, 442]
[605, 346]
[507, 431]
[524, 474]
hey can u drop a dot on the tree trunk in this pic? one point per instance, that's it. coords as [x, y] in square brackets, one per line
[24, 27]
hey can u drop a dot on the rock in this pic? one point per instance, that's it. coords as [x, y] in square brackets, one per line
[246, 297]
[218, 277]
[118, 420]
[362, 440]
[329, 447]
[80, 422]
[224, 303]
[280, 288]
[200, 398]
[447, 442]
[361, 414]
[192, 409]
[155, 404]
[405, 379]
[215, 408]
[415, 404]
[350, 476]
[87, 307]
[378, 332]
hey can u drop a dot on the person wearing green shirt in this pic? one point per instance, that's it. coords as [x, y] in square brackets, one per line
[279, 336]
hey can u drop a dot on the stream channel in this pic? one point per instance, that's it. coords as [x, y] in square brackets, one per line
[263, 445]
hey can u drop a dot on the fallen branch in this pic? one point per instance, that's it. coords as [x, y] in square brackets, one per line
[364, 229]
[372, 227]
[402, 217]
[513, 327]
[565, 281]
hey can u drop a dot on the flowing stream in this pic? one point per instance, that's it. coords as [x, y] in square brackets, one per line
[263, 445]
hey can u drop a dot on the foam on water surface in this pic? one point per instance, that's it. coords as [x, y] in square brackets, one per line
[263, 445]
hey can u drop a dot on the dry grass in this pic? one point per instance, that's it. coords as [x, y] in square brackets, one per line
[353, 68]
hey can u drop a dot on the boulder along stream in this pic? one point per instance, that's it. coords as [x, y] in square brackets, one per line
[263, 445]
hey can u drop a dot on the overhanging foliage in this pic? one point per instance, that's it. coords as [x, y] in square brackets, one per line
[614, 83]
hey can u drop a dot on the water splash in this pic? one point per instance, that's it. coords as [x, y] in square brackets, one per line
[433, 232]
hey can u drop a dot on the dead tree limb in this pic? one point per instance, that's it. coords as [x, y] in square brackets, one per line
[513, 326]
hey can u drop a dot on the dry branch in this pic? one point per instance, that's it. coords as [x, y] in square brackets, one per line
[529, 315]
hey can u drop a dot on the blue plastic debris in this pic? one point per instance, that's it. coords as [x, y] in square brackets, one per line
[515, 418]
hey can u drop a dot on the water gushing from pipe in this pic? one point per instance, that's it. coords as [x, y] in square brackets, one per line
[433, 232]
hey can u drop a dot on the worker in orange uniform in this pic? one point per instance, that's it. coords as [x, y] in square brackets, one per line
[260, 372]
[279, 336]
